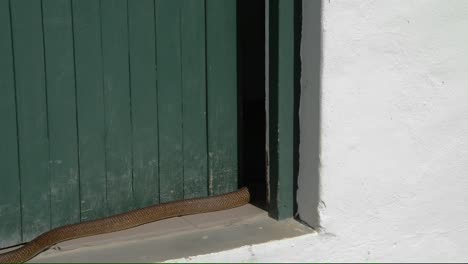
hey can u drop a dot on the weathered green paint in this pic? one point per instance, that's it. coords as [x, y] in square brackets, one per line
[222, 95]
[144, 107]
[194, 98]
[168, 43]
[281, 107]
[10, 213]
[61, 109]
[32, 116]
[90, 108]
[112, 105]
[117, 103]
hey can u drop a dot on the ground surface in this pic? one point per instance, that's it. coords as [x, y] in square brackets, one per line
[178, 239]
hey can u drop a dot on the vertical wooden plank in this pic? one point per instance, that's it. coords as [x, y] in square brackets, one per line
[60, 76]
[281, 107]
[90, 107]
[117, 102]
[32, 116]
[169, 100]
[222, 95]
[144, 102]
[10, 212]
[194, 98]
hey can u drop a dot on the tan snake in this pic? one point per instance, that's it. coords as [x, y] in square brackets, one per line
[126, 220]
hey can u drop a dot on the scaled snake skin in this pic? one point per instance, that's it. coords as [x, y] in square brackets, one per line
[126, 220]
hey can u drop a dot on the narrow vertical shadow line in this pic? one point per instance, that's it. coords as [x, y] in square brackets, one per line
[308, 133]
[207, 109]
[157, 97]
[297, 94]
[76, 111]
[208, 174]
[130, 86]
[18, 133]
[47, 115]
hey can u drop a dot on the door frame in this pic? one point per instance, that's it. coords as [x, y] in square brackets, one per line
[283, 92]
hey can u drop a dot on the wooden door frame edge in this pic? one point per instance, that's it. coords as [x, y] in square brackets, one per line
[284, 34]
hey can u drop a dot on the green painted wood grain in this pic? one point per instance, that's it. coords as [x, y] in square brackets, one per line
[10, 208]
[285, 194]
[90, 105]
[61, 103]
[117, 102]
[144, 102]
[169, 100]
[95, 115]
[222, 95]
[32, 116]
[194, 98]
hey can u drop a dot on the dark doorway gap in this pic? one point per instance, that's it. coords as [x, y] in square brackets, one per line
[251, 102]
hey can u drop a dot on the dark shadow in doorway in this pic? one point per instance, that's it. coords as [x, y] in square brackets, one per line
[251, 104]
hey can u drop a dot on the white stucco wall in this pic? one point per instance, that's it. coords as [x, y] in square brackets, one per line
[394, 128]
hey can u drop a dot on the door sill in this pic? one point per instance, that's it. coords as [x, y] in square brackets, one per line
[176, 238]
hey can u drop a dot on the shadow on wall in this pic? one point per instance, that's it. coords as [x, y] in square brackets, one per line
[309, 106]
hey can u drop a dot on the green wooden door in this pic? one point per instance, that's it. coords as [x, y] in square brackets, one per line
[111, 105]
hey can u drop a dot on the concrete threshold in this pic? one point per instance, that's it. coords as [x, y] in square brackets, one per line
[177, 238]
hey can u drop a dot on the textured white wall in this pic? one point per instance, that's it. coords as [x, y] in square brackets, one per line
[394, 128]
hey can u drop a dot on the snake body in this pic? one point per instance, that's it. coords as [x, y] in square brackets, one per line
[125, 221]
